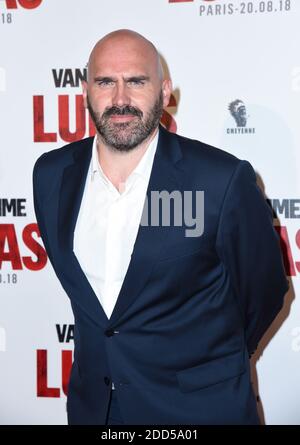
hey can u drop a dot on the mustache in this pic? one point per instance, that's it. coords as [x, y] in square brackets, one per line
[122, 111]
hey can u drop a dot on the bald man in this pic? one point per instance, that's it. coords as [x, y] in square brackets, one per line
[167, 251]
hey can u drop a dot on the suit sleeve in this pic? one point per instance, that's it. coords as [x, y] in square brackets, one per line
[249, 248]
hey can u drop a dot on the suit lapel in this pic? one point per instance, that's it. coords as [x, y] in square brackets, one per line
[149, 241]
[70, 198]
[71, 192]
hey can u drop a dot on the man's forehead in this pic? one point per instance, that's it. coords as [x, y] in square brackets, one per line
[121, 55]
[124, 53]
[124, 39]
[127, 69]
[122, 65]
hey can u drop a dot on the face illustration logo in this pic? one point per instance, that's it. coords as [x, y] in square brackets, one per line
[26, 4]
[237, 109]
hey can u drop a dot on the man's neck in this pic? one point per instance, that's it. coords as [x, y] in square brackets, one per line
[117, 165]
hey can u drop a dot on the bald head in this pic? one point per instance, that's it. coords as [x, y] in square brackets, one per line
[126, 90]
[119, 44]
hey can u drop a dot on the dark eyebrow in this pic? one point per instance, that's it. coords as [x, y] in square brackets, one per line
[103, 79]
[137, 78]
[127, 79]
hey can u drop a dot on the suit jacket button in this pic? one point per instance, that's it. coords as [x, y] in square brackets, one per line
[106, 381]
[109, 332]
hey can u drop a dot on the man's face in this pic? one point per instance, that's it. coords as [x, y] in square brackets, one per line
[124, 93]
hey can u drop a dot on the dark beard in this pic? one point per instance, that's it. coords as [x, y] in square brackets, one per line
[124, 136]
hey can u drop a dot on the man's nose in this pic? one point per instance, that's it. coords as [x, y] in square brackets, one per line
[121, 96]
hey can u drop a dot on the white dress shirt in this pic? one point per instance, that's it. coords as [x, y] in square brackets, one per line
[107, 225]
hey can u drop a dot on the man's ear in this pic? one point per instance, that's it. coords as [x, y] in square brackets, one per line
[84, 92]
[167, 91]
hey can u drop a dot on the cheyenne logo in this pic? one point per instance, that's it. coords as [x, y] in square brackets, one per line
[238, 111]
[26, 4]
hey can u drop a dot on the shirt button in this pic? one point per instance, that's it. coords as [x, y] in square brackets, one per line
[106, 381]
[109, 332]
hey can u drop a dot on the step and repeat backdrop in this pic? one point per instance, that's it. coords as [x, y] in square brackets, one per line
[235, 67]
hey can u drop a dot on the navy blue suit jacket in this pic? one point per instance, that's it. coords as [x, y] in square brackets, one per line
[191, 309]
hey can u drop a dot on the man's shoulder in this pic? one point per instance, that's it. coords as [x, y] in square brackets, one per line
[60, 157]
[207, 161]
[194, 150]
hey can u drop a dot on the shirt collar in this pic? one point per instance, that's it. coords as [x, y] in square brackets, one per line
[143, 168]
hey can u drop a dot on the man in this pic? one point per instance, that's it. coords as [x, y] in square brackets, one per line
[165, 321]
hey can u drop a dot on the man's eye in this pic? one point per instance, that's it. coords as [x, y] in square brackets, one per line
[136, 82]
[104, 83]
